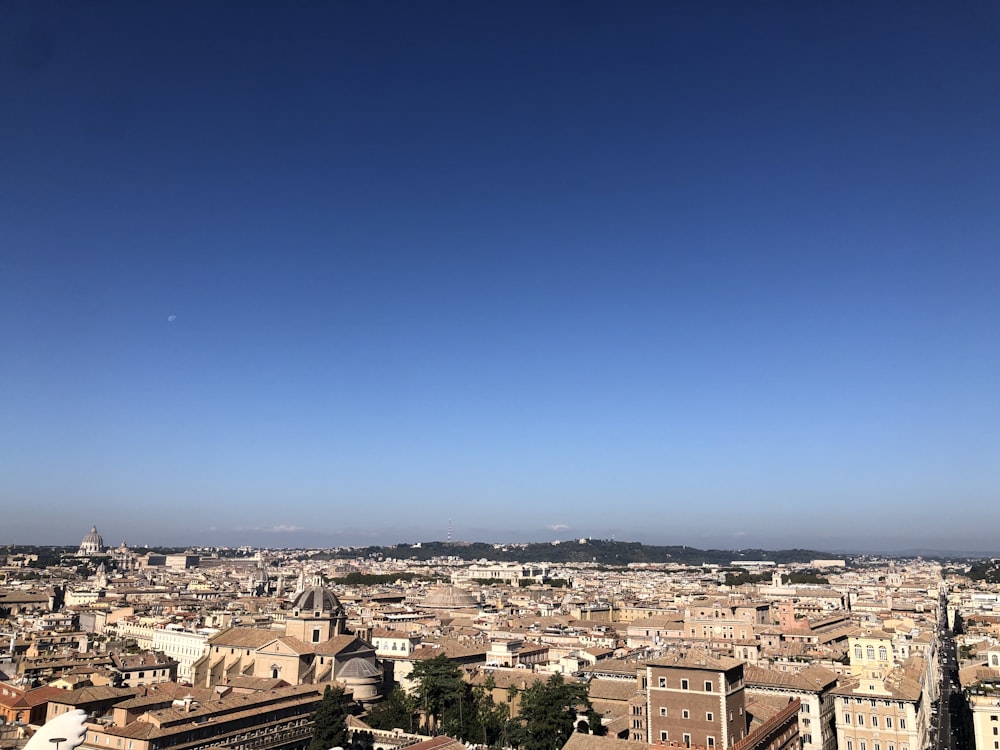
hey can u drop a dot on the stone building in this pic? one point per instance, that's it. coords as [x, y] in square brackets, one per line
[314, 648]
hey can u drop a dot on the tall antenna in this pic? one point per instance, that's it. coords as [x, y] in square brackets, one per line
[449, 531]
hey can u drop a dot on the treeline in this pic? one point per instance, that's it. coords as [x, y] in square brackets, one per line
[985, 570]
[601, 551]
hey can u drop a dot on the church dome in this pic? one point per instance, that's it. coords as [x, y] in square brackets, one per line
[317, 599]
[92, 544]
[449, 597]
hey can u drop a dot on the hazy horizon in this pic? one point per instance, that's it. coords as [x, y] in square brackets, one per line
[304, 539]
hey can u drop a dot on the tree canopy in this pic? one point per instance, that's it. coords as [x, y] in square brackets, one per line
[548, 714]
[330, 721]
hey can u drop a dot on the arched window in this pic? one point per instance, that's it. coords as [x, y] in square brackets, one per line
[870, 652]
[857, 652]
[275, 670]
[883, 655]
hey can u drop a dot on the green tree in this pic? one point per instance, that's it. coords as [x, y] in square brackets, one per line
[330, 721]
[397, 711]
[492, 718]
[548, 714]
[440, 693]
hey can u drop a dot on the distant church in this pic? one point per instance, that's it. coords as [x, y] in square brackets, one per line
[91, 545]
[315, 648]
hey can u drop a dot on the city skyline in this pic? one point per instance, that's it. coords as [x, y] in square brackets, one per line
[329, 275]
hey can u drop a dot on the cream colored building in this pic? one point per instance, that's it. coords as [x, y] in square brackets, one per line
[185, 646]
[985, 707]
[882, 706]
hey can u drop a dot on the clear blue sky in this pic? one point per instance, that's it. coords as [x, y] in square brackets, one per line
[314, 273]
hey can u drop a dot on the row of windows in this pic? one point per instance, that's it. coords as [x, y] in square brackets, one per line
[874, 721]
[686, 739]
[883, 653]
[876, 745]
[686, 714]
[685, 685]
[859, 701]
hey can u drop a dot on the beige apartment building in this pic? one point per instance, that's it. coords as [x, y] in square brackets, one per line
[985, 707]
[881, 706]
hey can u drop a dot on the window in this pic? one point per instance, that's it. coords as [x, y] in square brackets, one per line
[663, 736]
[687, 740]
[861, 720]
[709, 716]
[685, 714]
[863, 745]
[883, 655]
[807, 739]
[805, 708]
[875, 721]
[847, 718]
[870, 654]
[902, 723]
[850, 745]
[857, 652]
[710, 742]
[888, 722]
[684, 684]
[995, 731]
[708, 686]
[993, 718]
[663, 682]
[663, 711]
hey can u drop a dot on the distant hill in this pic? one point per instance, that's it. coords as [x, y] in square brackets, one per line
[600, 551]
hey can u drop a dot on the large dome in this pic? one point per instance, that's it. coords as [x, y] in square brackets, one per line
[449, 597]
[92, 544]
[317, 599]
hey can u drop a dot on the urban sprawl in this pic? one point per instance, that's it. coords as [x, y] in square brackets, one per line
[251, 649]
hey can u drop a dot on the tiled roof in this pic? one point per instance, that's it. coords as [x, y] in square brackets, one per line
[695, 659]
[615, 690]
[240, 637]
[579, 741]
[812, 679]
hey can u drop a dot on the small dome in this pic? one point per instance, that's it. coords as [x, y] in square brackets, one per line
[449, 597]
[358, 668]
[317, 599]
